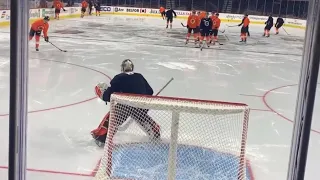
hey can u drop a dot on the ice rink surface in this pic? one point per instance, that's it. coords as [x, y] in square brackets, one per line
[63, 108]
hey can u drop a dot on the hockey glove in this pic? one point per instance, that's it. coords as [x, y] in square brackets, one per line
[46, 39]
[99, 89]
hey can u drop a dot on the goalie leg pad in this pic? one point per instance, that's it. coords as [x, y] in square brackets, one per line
[100, 133]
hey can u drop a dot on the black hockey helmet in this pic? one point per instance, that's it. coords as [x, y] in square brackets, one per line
[127, 65]
[46, 18]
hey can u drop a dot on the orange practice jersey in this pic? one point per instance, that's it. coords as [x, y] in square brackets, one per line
[245, 22]
[84, 4]
[40, 25]
[57, 4]
[162, 9]
[202, 15]
[193, 21]
[216, 23]
[213, 19]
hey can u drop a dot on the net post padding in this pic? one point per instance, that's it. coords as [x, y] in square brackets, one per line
[176, 106]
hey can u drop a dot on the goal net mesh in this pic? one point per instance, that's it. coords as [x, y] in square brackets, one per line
[197, 139]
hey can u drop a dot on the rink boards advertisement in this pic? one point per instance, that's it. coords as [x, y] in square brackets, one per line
[75, 12]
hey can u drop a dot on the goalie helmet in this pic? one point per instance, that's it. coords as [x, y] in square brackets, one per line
[127, 66]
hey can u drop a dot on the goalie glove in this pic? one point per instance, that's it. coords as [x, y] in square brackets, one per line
[100, 88]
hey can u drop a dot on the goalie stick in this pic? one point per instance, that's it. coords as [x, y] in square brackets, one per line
[128, 122]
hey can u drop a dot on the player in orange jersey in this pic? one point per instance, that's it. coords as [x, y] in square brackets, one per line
[162, 11]
[58, 5]
[193, 26]
[245, 28]
[215, 28]
[37, 27]
[202, 15]
[213, 17]
[84, 6]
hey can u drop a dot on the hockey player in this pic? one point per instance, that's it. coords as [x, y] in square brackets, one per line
[37, 27]
[193, 26]
[169, 15]
[98, 8]
[205, 29]
[90, 7]
[215, 28]
[84, 6]
[245, 28]
[201, 14]
[126, 82]
[269, 24]
[162, 11]
[213, 17]
[279, 24]
[58, 5]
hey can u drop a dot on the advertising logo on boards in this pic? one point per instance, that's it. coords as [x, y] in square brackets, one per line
[47, 12]
[183, 13]
[3, 14]
[34, 13]
[105, 8]
[73, 10]
[294, 22]
[143, 10]
[117, 9]
[153, 11]
[133, 10]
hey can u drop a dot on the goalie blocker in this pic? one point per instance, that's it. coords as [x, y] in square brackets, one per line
[126, 82]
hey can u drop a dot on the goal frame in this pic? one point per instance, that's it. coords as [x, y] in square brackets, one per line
[109, 145]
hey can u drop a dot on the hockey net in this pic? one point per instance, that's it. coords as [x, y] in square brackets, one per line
[199, 139]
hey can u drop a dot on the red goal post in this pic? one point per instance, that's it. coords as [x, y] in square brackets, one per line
[192, 131]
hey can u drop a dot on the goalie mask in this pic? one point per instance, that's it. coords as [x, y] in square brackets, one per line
[127, 66]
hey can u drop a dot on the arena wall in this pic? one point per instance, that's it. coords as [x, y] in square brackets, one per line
[72, 12]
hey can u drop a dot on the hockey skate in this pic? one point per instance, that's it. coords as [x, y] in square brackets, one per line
[37, 49]
[187, 41]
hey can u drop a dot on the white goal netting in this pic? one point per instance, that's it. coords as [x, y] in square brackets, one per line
[174, 139]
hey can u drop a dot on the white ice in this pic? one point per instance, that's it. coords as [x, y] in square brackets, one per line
[263, 74]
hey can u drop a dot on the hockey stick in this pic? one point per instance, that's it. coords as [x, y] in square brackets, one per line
[219, 43]
[222, 31]
[285, 30]
[55, 46]
[183, 25]
[126, 125]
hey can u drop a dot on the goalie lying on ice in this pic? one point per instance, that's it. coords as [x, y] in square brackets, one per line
[126, 82]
